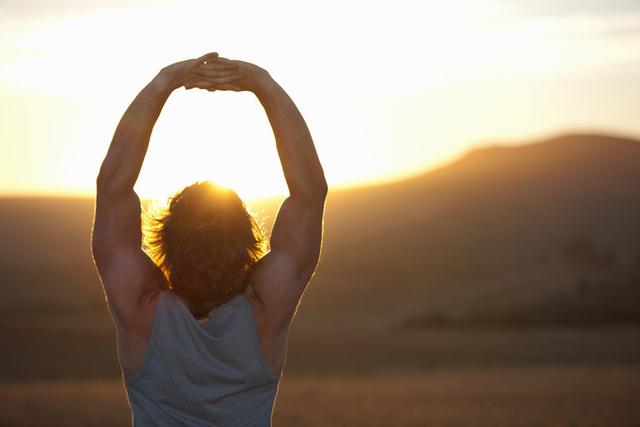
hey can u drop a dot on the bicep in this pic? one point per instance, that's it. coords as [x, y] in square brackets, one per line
[296, 241]
[117, 219]
[126, 272]
[297, 235]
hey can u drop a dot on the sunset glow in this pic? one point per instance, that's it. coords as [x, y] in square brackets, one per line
[387, 89]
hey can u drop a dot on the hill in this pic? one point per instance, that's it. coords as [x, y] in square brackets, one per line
[541, 232]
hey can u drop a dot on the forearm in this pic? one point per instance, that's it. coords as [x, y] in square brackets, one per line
[298, 157]
[121, 166]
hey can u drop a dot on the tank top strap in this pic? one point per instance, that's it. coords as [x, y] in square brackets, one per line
[158, 319]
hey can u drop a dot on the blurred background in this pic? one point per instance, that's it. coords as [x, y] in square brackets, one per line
[481, 258]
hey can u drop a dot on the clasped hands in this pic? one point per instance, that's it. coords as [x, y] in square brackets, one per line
[212, 72]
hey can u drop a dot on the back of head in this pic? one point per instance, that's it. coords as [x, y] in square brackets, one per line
[206, 242]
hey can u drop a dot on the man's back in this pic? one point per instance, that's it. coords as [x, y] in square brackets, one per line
[202, 374]
[204, 249]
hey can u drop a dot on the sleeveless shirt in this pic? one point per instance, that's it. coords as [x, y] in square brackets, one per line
[210, 374]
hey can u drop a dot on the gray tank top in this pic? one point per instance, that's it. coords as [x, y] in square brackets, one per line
[210, 374]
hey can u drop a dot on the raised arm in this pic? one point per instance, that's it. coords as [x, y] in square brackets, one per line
[126, 272]
[296, 237]
[283, 274]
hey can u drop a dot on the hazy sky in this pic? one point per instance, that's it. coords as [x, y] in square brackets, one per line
[387, 88]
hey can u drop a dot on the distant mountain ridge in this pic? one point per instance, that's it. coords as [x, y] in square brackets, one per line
[485, 238]
[543, 232]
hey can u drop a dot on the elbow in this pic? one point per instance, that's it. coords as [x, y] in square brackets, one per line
[323, 189]
[320, 188]
[107, 184]
[104, 185]
[312, 194]
[104, 178]
[101, 182]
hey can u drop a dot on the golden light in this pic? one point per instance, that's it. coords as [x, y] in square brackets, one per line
[386, 89]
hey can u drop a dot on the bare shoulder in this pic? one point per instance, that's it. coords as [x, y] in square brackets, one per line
[277, 287]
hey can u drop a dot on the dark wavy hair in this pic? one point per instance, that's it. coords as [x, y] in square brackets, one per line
[206, 242]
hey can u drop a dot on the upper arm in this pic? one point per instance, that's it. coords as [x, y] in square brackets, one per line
[128, 275]
[283, 274]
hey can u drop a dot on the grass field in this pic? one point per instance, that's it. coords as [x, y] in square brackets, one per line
[550, 396]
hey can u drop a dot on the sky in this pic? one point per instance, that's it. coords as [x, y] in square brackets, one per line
[388, 89]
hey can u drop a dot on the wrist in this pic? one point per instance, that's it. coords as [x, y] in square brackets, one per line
[162, 83]
[265, 86]
[267, 90]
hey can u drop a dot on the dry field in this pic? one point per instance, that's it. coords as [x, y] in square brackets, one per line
[63, 372]
[550, 396]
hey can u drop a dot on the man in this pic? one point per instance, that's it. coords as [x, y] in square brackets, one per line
[202, 319]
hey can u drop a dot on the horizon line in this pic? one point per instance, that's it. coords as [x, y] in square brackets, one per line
[362, 183]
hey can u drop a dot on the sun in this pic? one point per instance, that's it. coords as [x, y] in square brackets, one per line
[221, 137]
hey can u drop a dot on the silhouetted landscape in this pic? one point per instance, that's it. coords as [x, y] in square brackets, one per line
[544, 232]
[515, 264]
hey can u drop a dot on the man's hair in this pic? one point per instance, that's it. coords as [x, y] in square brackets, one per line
[206, 243]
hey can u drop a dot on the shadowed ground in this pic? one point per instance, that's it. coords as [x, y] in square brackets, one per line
[517, 397]
[439, 377]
